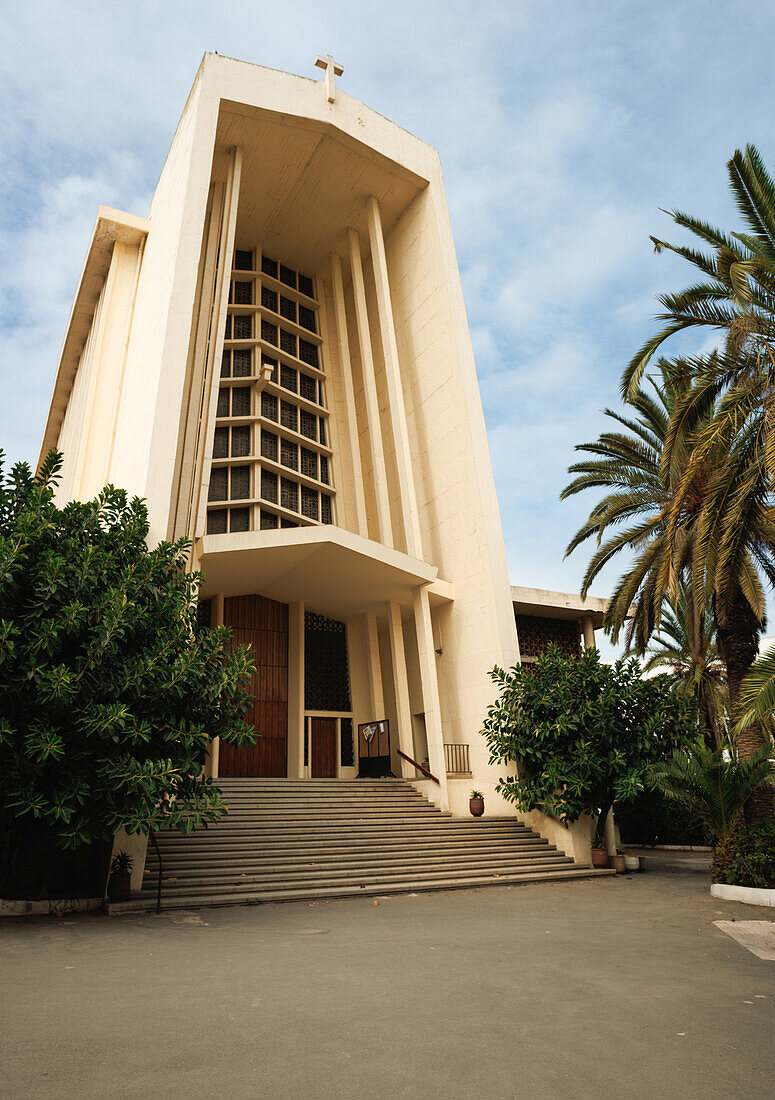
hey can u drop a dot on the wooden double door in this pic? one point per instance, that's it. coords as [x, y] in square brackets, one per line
[263, 624]
[322, 749]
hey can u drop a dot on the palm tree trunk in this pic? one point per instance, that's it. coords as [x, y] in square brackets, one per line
[738, 641]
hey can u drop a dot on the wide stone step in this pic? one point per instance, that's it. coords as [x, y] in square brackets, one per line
[218, 853]
[255, 864]
[145, 903]
[290, 834]
[292, 839]
[283, 877]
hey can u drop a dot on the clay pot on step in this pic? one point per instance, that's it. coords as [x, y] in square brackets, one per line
[476, 805]
[599, 857]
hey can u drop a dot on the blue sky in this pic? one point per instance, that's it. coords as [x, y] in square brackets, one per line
[563, 127]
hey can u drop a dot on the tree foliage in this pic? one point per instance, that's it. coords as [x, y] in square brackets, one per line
[714, 784]
[109, 690]
[583, 733]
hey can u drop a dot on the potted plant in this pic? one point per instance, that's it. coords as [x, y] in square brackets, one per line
[599, 852]
[476, 803]
[120, 877]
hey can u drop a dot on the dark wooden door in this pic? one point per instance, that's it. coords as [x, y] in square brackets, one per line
[263, 624]
[323, 750]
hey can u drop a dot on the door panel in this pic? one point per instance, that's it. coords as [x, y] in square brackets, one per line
[323, 748]
[262, 624]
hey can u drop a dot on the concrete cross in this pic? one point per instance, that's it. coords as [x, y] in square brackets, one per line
[332, 69]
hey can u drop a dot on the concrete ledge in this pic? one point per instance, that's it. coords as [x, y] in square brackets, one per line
[748, 895]
[48, 907]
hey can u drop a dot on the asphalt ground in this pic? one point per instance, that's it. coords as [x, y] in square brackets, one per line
[617, 987]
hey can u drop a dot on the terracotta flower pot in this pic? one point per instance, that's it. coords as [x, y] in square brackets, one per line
[119, 887]
[599, 857]
[619, 866]
[476, 806]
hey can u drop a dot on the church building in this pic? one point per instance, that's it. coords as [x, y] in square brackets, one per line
[278, 360]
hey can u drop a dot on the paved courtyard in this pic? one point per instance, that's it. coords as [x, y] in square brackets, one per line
[612, 988]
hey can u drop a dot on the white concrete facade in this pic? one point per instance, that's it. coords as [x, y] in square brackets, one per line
[266, 165]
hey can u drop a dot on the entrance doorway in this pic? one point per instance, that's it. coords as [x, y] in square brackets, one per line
[323, 748]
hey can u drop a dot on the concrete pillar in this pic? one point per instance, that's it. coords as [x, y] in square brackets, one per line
[215, 348]
[430, 693]
[589, 632]
[401, 686]
[376, 693]
[216, 619]
[406, 485]
[343, 344]
[296, 690]
[379, 470]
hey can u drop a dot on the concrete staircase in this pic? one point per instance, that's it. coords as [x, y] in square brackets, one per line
[287, 840]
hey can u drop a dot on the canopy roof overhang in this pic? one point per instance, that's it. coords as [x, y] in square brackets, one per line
[330, 570]
[305, 182]
[557, 605]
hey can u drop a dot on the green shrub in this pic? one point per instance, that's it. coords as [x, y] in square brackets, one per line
[110, 691]
[583, 733]
[747, 857]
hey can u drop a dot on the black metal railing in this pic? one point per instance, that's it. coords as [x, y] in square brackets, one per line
[456, 760]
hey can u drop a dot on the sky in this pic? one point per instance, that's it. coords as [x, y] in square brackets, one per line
[564, 128]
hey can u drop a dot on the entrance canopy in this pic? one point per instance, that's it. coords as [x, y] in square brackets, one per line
[333, 571]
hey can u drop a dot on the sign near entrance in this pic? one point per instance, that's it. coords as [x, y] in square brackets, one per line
[374, 749]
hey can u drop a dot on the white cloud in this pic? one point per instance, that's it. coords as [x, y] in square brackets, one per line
[562, 128]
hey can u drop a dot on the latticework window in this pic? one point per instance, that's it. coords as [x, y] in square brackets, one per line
[309, 503]
[240, 483]
[242, 293]
[219, 484]
[239, 519]
[240, 401]
[240, 441]
[221, 443]
[289, 494]
[307, 318]
[216, 521]
[326, 669]
[308, 387]
[268, 445]
[309, 463]
[241, 363]
[266, 299]
[288, 415]
[269, 486]
[289, 378]
[289, 454]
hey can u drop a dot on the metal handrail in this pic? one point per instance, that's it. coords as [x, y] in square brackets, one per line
[420, 767]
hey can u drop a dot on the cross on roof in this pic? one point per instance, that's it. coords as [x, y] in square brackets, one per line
[332, 69]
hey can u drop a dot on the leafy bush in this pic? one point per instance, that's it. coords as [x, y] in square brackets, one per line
[747, 857]
[583, 734]
[712, 784]
[109, 690]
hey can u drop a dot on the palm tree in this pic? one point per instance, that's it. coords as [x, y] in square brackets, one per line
[685, 648]
[736, 296]
[633, 514]
[726, 416]
[714, 784]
